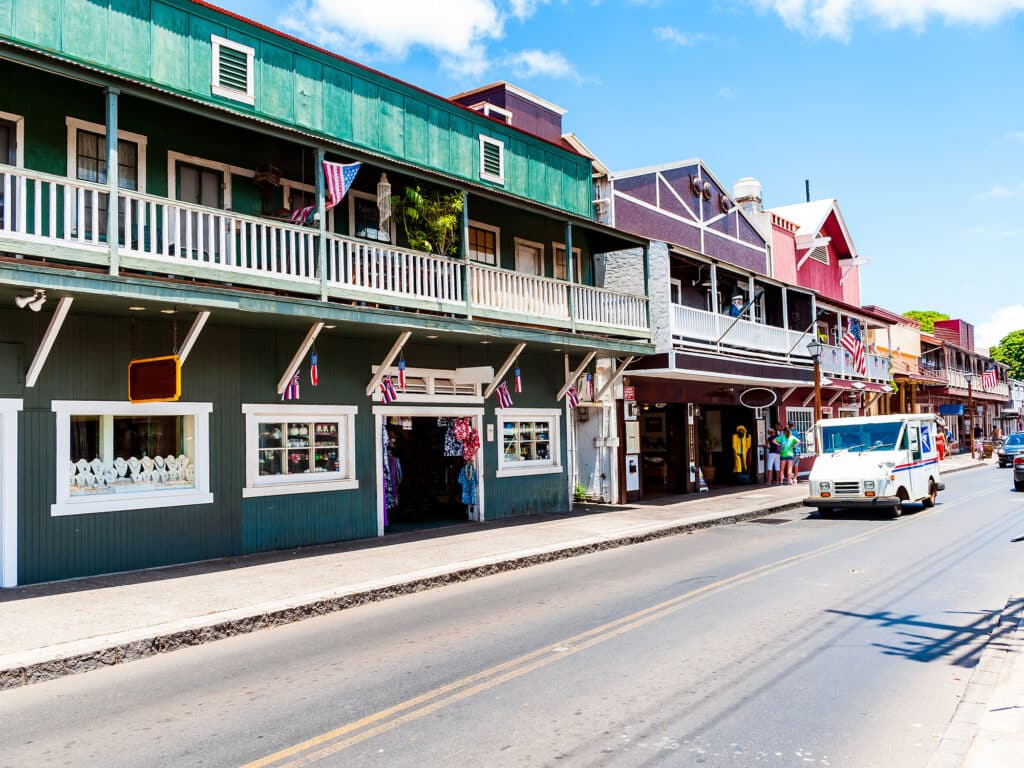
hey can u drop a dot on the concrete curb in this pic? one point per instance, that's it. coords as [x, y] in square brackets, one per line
[1004, 642]
[133, 645]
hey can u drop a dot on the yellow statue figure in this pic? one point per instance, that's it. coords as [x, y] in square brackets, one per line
[740, 450]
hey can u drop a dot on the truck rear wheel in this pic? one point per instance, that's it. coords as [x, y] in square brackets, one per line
[929, 501]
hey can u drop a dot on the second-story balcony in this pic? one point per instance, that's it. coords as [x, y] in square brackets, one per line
[838, 362]
[55, 217]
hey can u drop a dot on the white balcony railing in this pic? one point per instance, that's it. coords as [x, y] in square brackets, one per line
[179, 239]
[707, 328]
[837, 361]
[958, 380]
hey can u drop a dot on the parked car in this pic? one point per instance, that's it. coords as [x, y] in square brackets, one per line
[1012, 447]
[1018, 473]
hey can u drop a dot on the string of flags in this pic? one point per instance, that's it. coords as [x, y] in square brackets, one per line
[504, 398]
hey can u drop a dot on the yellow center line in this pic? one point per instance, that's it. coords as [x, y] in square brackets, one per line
[451, 693]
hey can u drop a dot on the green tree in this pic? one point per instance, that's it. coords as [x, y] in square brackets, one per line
[926, 317]
[430, 219]
[1011, 351]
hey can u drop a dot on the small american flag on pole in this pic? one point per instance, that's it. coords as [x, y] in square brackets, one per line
[291, 392]
[590, 386]
[989, 378]
[338, 177]
[504, 398]
[314, 372]
[853, 342]
[573, 397]
[519, 381]
[401, 374]
[387, 390]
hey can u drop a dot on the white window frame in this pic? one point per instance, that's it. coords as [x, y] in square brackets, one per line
[278, 485]
[521, 469]
[249, 96]
[352, 195]
[75, 125]
[226, 171]
[577, 257]
[500, 177]
[19, 136]
[530, 244]
[677, 285]
[497, 242]
[200, 494]
[800, 410]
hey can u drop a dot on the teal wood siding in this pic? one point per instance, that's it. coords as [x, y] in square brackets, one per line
[166, 43]
[89, 362]
[302, 519]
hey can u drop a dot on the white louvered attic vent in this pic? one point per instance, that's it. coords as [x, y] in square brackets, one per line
[820, 254]
[232, 70]
[492, 160]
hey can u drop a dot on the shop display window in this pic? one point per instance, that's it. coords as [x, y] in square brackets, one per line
[529, 441]
[293, 449]
[114, 456]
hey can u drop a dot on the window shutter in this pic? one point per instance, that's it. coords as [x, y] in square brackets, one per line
[492, 159]
[234, 69]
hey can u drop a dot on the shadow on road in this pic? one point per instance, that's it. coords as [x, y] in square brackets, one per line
[926, 641]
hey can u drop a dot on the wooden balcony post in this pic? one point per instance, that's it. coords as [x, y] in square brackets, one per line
[466, 284]
[321, 215]
[647, 288]
[570, 304]
[112, 174]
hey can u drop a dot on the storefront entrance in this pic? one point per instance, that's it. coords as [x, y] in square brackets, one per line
[9, 492]
[420, 462]
[662, 449]
[728, 445]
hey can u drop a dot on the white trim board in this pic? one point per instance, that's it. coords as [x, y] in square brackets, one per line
[9, 409]
[19, 137]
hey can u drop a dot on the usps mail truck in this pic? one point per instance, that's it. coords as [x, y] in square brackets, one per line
[875, 462]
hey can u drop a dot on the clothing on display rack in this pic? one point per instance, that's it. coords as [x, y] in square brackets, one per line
[468, 481]
[468, 437]
[452, 445]
[390, 483]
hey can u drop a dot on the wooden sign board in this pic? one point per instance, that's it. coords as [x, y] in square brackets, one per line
[154, 380]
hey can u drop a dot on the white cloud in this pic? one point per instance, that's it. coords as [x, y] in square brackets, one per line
[726, 93]
[1004, 320]
[534, 63]
[835, 18]
[678, 37]
[1002, 192]
[1016, 136]
[524, 9]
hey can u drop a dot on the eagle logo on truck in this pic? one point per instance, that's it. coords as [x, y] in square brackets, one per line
[926, 440]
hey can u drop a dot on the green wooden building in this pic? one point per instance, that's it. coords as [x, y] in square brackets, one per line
[219, 129]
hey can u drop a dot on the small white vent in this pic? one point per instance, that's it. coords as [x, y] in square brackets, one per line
[492, 160]
[232, 70]
[820, 254]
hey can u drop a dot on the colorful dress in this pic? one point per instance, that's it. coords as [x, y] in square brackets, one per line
[467, 479]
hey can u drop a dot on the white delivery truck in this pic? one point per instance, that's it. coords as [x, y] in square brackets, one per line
[875, 462]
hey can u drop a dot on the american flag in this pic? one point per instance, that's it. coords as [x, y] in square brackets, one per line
[989, 378]
[338, 177]
[387, 390]
[519, 381]
[573, 397]
[401, 375]
[314, 372]
[291, 392]
[590, 386]
[504, 398]
[853, 342]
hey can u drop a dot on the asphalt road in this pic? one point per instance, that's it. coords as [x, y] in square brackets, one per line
[839, 642]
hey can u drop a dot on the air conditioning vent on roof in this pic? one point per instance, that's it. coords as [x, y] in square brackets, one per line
[232, 70]
[492, 160]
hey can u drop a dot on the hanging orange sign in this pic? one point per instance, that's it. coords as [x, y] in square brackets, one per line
[154, 380]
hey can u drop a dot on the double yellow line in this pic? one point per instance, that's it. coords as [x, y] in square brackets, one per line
[338, 739]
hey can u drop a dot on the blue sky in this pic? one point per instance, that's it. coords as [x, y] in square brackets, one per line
[909, 112]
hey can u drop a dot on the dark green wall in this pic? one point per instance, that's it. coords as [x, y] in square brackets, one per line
[228, 366]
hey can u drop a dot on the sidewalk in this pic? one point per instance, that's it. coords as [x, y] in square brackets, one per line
[62, 628]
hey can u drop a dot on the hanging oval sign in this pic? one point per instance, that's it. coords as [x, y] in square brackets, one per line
[758, 397]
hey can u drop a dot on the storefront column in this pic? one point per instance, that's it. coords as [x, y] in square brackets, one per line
[112, 174]
[9, 409]
[714, 289]
[785, 308]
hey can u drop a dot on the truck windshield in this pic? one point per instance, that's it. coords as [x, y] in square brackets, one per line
[880, 436]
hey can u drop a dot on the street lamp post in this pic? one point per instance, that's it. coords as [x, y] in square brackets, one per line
[814, 349]
[969, 375]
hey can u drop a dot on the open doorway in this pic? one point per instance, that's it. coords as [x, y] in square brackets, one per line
[422, 471]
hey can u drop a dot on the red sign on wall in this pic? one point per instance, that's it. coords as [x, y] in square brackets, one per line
[629, 393]
[154, 380]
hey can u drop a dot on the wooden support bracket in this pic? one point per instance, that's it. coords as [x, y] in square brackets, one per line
[193, 335]
[388, 360]
[300, 353]
[52, 331]
[616, 375]
[575, 374]
[504, 369]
